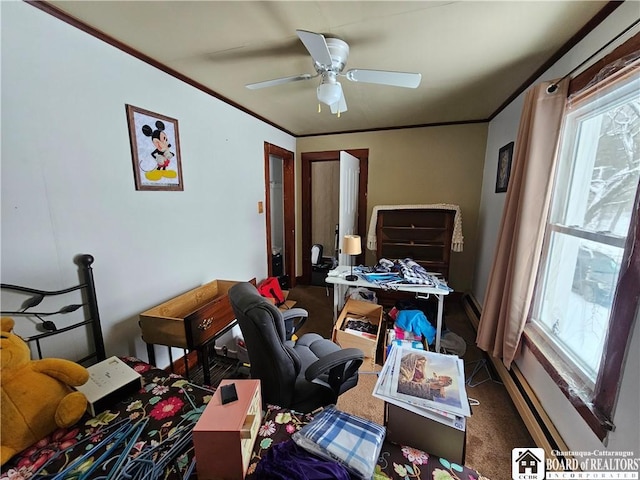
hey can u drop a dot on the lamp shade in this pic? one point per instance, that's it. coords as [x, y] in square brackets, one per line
[329, 93]
[351, 245]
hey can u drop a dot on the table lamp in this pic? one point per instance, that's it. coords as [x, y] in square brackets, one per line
[351, 245]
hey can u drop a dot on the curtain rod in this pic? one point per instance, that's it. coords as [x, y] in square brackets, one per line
[552, 88]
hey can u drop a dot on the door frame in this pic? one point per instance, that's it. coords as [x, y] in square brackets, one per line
[305, 203]
[289, 207]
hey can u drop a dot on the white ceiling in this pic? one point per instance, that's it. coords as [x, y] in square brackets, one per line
[473, 55]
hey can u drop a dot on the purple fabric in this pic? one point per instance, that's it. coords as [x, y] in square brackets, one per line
[287, 461]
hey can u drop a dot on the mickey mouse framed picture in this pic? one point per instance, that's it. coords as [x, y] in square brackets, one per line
[155, 150]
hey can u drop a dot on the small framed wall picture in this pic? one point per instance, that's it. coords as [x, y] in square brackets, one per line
[155, 150]
[504, 167]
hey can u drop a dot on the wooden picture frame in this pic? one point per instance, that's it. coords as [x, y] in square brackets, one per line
[505, 156]
[155, 150]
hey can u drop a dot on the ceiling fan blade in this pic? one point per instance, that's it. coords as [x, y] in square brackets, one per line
[316, 45]
[396, 79]
[279, 81]
[340, 106]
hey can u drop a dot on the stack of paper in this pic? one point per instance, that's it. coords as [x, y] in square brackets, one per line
[427, 383]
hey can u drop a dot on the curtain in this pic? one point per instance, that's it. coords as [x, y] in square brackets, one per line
[511, 282]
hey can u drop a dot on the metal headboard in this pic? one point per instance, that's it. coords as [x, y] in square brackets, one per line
[90, 305]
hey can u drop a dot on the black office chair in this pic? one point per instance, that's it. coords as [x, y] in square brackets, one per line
[302, 375]
[316, 255]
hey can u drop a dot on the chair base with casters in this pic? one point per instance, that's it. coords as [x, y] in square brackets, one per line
[302, 375]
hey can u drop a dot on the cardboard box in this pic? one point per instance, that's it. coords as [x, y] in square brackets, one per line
[408, 428]
[109, 381]
[224, 435]
[367, 343]
[287, 303]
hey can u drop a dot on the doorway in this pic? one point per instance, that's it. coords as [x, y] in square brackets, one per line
[308, 161]
[279, 177]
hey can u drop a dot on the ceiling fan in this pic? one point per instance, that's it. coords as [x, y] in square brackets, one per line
[330, 57]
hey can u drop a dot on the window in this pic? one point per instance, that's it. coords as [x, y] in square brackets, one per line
[575, 317]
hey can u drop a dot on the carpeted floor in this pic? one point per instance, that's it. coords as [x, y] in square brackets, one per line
[494, 428]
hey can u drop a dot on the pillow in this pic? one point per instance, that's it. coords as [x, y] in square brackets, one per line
[352, 441]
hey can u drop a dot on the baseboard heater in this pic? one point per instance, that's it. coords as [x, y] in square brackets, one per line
[538, 423]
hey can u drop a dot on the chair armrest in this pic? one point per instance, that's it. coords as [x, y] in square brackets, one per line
[289, 317]
[294, 312]
[340, 365]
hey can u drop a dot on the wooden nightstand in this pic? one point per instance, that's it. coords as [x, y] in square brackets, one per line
[224, 435]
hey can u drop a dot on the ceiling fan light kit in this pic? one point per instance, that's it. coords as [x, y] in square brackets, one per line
[329, 59]
[329, 93]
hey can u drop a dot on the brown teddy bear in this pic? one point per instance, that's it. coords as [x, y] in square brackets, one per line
[36, 396]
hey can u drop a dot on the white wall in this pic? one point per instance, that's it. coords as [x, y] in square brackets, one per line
[502, 130]
[67, 176]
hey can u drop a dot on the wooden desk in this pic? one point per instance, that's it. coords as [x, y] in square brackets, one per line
[337, 278]
[190, 321]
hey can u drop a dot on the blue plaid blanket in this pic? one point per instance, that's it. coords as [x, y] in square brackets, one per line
[352, 441]
[412, 272]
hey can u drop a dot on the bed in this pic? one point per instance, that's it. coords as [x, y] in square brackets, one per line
[148, 434]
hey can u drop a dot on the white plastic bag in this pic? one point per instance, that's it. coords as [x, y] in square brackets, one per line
[361, 293]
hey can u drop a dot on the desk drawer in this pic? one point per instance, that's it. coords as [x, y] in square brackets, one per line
[203, 324]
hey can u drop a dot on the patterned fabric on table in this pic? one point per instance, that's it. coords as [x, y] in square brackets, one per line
[165, 410]
[395, 461]
[413, 272]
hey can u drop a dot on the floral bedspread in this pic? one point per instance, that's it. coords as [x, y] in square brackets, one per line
[395, 461]
[149, 432]
[148, 435]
